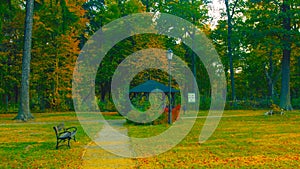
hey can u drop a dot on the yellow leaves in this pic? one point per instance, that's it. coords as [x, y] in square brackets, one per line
[77, 10]
[36, 17]
[39, 1]
[49, 29]
[214, 161]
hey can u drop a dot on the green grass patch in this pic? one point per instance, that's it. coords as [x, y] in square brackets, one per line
[243, 139]
[32, 144]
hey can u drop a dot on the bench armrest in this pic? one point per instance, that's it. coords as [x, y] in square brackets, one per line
[73, 129]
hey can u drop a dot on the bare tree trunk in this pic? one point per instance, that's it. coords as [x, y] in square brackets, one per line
[285, 97]
[229, 47]
[24, 109]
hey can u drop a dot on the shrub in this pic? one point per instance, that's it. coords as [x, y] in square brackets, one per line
[296, 103]
[275, 108]
[162, 119]
[107, 105]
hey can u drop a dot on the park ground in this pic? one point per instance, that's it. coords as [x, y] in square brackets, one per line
[243, 139]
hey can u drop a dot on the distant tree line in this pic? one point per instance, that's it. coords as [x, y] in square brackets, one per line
[257, 41]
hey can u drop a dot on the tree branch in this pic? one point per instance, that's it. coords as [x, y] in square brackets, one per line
[233, 8]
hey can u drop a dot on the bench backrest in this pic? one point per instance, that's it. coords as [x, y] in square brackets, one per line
[58, 128]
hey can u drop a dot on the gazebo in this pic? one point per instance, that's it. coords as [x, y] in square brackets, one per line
[150, 86]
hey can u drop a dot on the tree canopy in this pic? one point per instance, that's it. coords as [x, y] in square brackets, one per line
[257, 41]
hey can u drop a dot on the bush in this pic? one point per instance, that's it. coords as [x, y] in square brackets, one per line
[275, 108]
[162, 119]
[250, 104]
[205, 102]
[107, 105]
[296, 103]
[11, 108]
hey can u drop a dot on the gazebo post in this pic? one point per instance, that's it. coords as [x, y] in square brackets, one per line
[169, 57]
[173, 99]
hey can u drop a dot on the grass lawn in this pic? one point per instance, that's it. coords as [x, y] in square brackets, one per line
[32, 144]
[244, 139]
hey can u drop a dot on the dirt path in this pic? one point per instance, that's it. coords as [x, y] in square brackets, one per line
[97, 157]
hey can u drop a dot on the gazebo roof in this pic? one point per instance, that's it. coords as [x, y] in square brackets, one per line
[151, 85]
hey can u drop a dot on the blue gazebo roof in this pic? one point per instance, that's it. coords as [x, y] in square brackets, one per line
[151, 85]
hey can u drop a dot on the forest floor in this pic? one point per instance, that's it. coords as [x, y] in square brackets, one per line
[243, 139]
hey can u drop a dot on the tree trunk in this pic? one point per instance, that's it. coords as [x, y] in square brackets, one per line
[270, 77]
[229, 48]
[6, 102]
[285, 98]
[16, 94]
[24, 109]
[103, 92]
[56, 88]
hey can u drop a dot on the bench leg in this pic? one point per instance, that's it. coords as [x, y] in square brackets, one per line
[74, 138]
[69, 143]
[56, 144]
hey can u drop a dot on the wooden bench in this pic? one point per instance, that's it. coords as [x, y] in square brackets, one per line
[64, 134]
